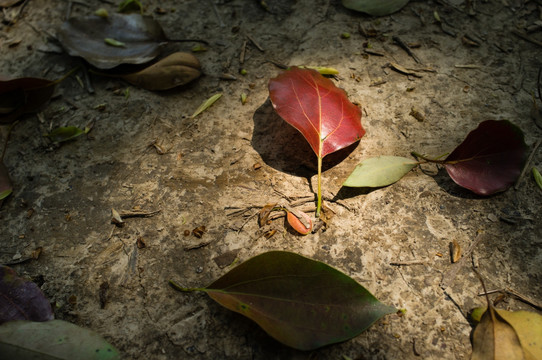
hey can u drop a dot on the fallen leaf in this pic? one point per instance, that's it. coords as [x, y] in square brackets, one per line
[6, 187]
[455, 250]
[526, 325]
[62, 134]
[21, 299]
[130, 5]
[494, 338]
[22, 96]
[54, 339]
[302, 303]
[379, 171]
[84, 37]
[206, 104]
[113, 42]
[263, 215]
[299, 221]
[174, 70]
[536, 175]
[490, 159]
[116, 218]
[375, 7]
[8, 3]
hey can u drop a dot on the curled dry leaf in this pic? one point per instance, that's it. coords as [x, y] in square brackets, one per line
[455, 250]
[84, 37]
[263, 215]
[176, 69]
[299, 221]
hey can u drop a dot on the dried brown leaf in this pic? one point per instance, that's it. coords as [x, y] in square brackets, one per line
[174, 70]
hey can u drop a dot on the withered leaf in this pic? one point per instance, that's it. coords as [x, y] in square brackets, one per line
[264, 214]
[174, 70]
[455, 250]
[84, 37]
[494, 338]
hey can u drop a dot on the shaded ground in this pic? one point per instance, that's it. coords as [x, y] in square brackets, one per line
[64, 194]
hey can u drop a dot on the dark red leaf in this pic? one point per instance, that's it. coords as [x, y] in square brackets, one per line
[21, 299]
[317, 108]
[23, 95]
[490, 159]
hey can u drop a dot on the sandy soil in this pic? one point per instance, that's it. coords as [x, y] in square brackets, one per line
[236, 156]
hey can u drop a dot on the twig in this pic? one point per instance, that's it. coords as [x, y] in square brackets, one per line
[526, 37]
[409, 262]
[217, 14]
[405, 47]
[197, 246]
[243, 50]
[449, 276]
[90, 89]
[137, 213]
[255, 43]
[520, 297]
[12, 21]
[516, 185]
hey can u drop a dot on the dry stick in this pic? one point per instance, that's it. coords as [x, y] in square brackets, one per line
[405, 47]
[520, 297]
[526, 37]
[217, 14]
[255, 43]
[449, 276]
[409, 262]
[243, 49]
[516, 185]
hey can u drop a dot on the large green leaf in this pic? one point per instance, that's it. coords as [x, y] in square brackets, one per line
[54, 339]
[301, 302]
[379, 171]
[375, 7]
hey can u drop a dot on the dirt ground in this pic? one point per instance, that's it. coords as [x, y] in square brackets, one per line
[234, 157]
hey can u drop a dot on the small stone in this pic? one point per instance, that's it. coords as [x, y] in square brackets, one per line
[493, 217]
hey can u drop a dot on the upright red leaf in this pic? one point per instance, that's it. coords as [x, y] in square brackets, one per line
[317, 108]
[490, 159]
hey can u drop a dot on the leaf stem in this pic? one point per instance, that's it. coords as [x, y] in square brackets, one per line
[319, 203]
[423, 157]
[178, 287]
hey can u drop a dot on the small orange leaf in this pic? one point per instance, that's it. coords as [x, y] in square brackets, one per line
[302, 226]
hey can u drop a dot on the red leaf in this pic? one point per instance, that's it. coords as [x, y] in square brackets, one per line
[490, 159]
[317, 108]
[23, 95]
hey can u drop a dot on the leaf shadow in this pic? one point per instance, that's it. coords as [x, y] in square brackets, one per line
[284, 148]
[445, 182]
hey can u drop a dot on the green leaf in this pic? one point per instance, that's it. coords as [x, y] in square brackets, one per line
[537, 177]
[54, 339]
[375, 7]
[379, 171]
[66, 133]
[302, 303]
[113, 42]
[206, 104]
